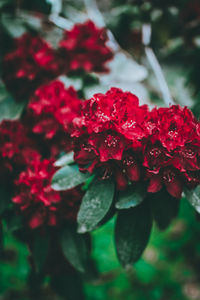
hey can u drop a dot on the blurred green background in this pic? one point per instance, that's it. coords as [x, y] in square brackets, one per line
[168, 270]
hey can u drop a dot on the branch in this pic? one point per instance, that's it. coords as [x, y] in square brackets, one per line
[146, 35]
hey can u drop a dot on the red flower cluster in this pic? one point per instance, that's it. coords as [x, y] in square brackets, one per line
[43, 132]
[172, 153]
[85, 47]
[109, 134]
[51, 111]
[39, 203]
[32, 63]
[16, 149]
[116, 137]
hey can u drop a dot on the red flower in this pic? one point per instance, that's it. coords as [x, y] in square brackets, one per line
[16, 148]
[108, 136]
[38, 202]
[173, 127]
[171, 152]
[51, 111]
[32, 62]
[84, 47]
[170, 178]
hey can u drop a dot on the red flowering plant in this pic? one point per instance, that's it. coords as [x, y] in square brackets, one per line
[133, 156]
[127, 159]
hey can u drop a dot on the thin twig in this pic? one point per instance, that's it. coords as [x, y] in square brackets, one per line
[56, 7]
[146, 33]
[61, 22]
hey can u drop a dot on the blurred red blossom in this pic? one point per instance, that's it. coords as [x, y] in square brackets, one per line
[84, 48]
[32, 62]
[16, 148]
[39, 203]
[50, 113]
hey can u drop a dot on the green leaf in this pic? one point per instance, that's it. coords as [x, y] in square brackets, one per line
[9, 108]
[65, 160]
[67, 178]
[165, 208]
[193, 197]
[74, 248]
[130, 198]
[5, 199]
[132, 232]
[95, 204]
[40, 250]
[87, 183]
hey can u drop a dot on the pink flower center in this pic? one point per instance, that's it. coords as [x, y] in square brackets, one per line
[188, 153]
[155, 152]
[111, 141]
[129, 161]
[168, 175]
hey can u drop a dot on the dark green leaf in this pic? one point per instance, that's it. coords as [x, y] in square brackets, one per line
[74, 248]
[87, 183]
[67, 178]
[130, 198]
[40, 250]
[95, 204]
[5, 199]
[193, 197]
[132, 233]
[165, 208]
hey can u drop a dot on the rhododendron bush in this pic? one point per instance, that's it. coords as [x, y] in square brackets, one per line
[132, 154]
[70, 162]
